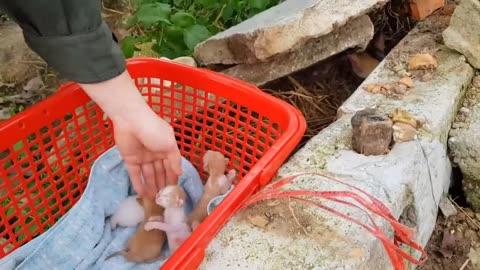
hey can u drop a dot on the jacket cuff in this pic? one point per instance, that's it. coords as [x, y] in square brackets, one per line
[89, 57]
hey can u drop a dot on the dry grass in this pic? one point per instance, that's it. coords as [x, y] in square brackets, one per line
[317, 92]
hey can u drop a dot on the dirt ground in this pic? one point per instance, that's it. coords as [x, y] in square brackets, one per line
[455, 243]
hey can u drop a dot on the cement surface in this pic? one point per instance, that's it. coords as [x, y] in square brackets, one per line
[410, 180]
[280, 29]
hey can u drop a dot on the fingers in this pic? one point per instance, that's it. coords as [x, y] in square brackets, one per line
[135, 173]
[175, 163]
[160, 174]
[172, 179]
[148, 173]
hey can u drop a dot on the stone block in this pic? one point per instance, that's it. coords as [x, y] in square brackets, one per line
[372, 132]
[280, 29]
[463, 34]
[356, 33]
[464, 143]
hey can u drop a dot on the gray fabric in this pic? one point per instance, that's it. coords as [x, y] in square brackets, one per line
[83, 238]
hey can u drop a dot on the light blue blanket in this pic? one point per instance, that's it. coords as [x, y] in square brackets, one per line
[83, 238]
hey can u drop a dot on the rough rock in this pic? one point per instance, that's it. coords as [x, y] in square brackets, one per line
[356, 33]
[18, 62]
[463, 34]
[280, 29]
[371, 132]
[410, 180]
[447, 207]
[464, 143]
[403, 132]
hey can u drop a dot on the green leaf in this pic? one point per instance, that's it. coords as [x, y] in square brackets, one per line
[139, 3]
[151, 14]
[178, 3]
[174, 34]
[209, 4]
[228, 10]
[259, 4]
[10, 211]
[195, 34]
[128, 46]
[132, 21]
[183, 19]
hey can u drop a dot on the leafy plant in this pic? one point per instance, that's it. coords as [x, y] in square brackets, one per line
[175, 27]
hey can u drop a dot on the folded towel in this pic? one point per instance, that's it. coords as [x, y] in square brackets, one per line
[83, 238]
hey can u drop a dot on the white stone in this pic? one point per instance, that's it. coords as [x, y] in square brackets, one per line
[280, 29]
[411, 179]
[463, 33]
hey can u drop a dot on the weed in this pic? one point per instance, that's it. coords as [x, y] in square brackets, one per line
[175, 27]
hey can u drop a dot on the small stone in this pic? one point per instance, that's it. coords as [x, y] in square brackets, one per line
[458, 125]
[403, 132]
[404, 73]
[398, 68]
[460, 118]
[464, 110]
[406, 81]
[474, 256]
[477, 216]
[401, 116]
[186, 60]
[35, 84]
[371, 132]
[258, 220]
[447, 207]
[451, 140]
[373, 88]
[427, 77]
[476, 81]
[400, 89]
[422, 61]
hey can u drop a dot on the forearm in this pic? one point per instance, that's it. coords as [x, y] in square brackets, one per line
[126, 105]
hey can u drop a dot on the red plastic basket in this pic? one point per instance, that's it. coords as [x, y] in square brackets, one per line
[47, 150]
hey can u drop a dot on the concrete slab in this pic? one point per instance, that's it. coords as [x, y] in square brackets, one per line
[356, 33]
[280, 29]
[463, 33]
[464, 143]
[410, 180]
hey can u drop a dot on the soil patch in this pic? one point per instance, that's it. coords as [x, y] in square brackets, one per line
[290, 219]
[455, 243]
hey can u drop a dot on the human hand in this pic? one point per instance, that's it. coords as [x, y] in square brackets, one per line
[145, 141]
[149, 149]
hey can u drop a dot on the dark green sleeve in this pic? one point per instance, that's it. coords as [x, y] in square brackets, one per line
[70, 36]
